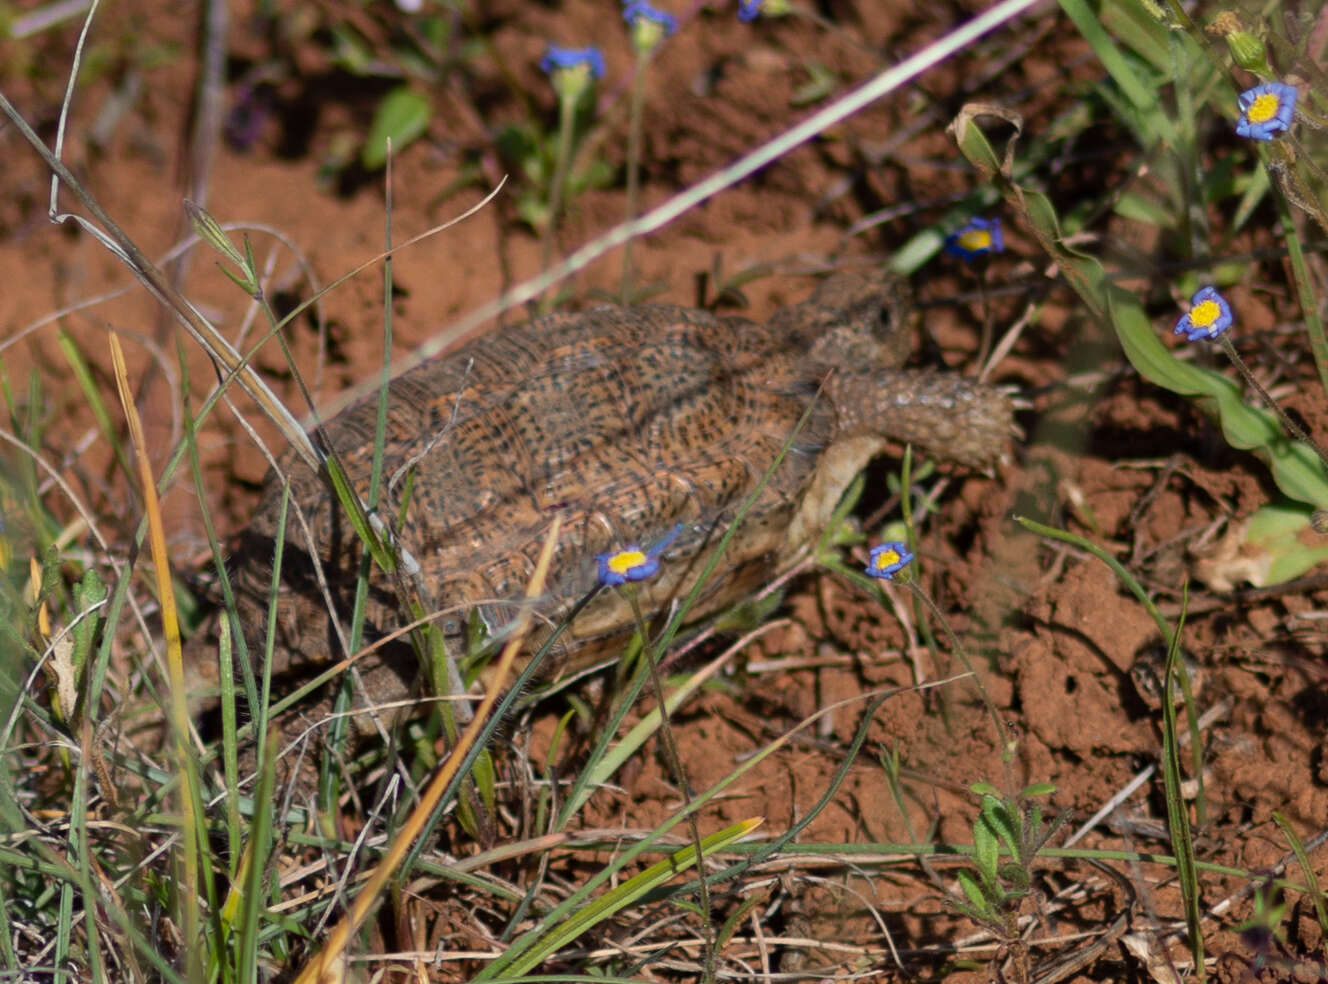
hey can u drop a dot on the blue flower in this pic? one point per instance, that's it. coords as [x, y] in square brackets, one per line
[749, 10]
[632, 563]
[1208, 317]
[1266, 110]
[977, 238]
[558, 59]
[638, 10]
[649, 25]
[887, 560]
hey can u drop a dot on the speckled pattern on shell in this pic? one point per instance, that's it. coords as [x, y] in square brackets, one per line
[626, 422]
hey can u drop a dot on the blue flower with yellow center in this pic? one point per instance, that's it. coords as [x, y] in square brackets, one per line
[632, 563]
[1208, 317]
[887, 560]
[977, 238]
[1266, 110]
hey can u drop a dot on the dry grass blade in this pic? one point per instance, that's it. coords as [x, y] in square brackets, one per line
[179, 712]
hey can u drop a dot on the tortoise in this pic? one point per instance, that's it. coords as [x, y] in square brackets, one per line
[633, 424]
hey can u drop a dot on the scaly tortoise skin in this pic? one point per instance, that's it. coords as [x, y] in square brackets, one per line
[627, 422]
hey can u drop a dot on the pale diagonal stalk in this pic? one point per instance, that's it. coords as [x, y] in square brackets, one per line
[151, 276]
[1292, 427]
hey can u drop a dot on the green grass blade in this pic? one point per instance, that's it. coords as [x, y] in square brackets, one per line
[847, 760]
[1178, 820]
[7, 954]
[1126, 578]
[259, 846]
[618, 753]
[1304, 282]
[1149, 121]
[1169, 634]
[92, 394]
[1307, 869]
[629, 892]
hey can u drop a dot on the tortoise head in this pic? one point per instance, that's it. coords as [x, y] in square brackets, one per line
[851, 321]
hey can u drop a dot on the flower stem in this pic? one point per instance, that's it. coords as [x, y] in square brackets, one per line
[1291, 426]
[674, 759]
[566, 123]
[634, 164]
[1002, 733]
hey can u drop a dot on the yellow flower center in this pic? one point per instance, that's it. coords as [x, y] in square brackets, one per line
[1205, 313]
[626, 560]
[885, 558]
[975, 239]
[1264, 107]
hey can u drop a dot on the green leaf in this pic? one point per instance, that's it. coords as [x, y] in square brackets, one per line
[986, 848]
[88, 595]
[1139, 29]
[351, 51]
[402, 116]
[997, 813]
[1144, 208]
[1275, 544]
[972, 888]
[1016, 878]
[1295, 467]
[820, 85]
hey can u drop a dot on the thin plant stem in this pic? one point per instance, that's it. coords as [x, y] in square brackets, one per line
[566, 123]
[988, 318]
[1304, 289]
[680, 773]
[1002, 733]
[634, 164]
[1292, 427]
